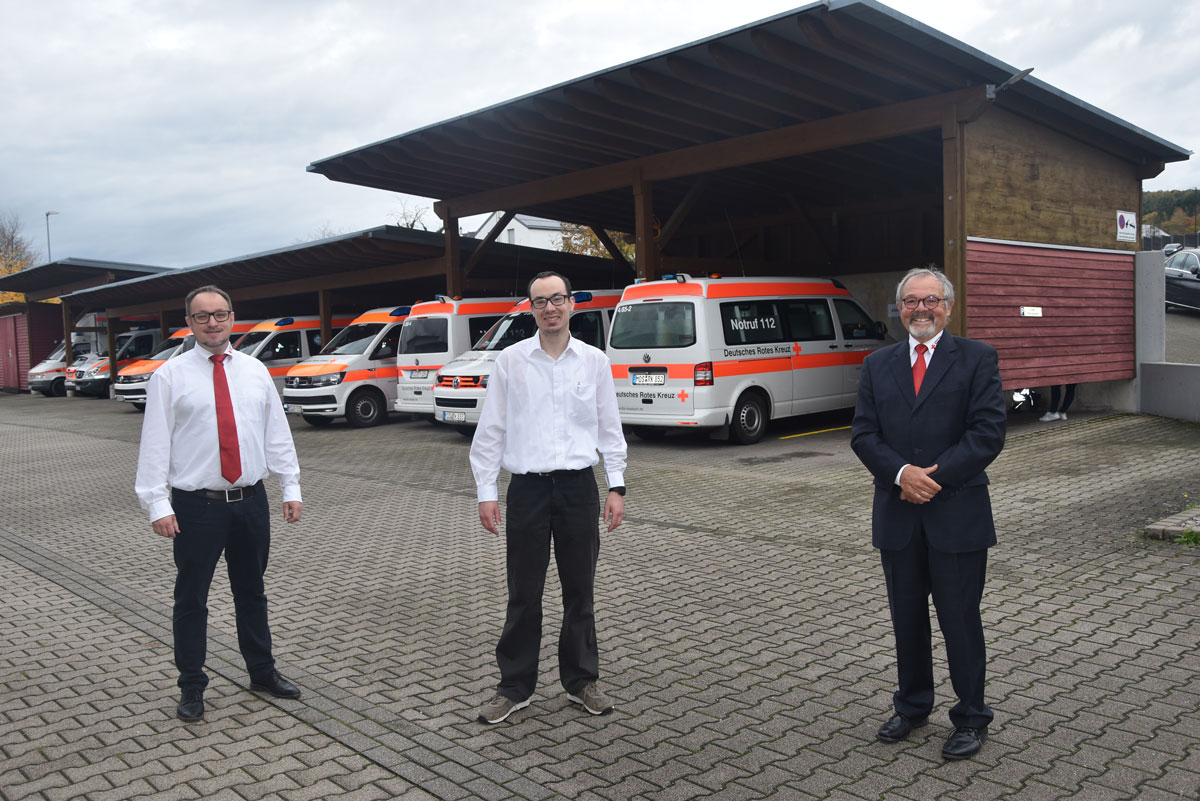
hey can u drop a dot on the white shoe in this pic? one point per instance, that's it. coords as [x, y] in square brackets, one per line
[1050, 417]
[1062, 415]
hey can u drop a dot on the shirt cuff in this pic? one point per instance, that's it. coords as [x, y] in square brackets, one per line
[615, 479]
[899, 473]
[487, 493]
[292, 493]
[160, 509]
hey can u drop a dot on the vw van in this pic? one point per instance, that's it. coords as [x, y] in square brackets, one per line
[353, 376]
[732, 353]
[91, 376]
[283, 342]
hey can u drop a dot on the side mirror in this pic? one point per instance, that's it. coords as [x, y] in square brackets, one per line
[881, 330]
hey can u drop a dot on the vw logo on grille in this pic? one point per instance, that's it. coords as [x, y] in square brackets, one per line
[645, 358]
[455, 382]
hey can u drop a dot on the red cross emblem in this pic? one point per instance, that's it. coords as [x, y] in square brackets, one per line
[796, 348]
[683, 396]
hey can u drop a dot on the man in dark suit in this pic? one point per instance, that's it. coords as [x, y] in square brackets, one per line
[930, 418]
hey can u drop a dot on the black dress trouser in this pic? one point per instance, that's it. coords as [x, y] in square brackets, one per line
[562, 507]
[955, 581]
[242, 530]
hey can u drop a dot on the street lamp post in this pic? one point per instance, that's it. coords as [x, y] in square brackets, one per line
[49, 258]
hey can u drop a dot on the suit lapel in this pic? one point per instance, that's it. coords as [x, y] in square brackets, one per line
[944, 357]
[901, 369]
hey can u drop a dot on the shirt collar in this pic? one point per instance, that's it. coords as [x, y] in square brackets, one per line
[933, 343]
[572, 346]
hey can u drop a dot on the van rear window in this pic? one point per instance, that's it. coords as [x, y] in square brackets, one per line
[424, 335]
[654, 325]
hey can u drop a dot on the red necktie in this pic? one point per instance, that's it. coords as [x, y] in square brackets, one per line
[919, 368]
[231, 455]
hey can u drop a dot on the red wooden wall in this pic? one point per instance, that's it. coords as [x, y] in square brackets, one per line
[1086, 331]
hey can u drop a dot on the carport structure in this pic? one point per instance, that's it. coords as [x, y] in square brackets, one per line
[840, 139]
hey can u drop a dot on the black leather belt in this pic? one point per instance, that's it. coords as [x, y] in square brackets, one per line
[229, 496]
[554, 473]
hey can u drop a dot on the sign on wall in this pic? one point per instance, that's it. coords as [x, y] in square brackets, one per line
[1127, 226]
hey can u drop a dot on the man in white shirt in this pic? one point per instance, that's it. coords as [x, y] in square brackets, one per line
[214, 428]
[551, 407]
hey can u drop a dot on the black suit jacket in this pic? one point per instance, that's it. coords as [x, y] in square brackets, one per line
[957, 423]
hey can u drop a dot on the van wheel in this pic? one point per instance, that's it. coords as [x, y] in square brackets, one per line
[316, 420]
[365, 409]
[649, 433]
[466, 431]
[749, 419]
[59, 388]
[141, 407]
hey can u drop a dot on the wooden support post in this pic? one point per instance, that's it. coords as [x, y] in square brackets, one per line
[112, 351]
[164, 330]
[454, 274]
[325, 309]
[67, 325]
[954, 240]
[611, 247]
[482, 248]
[643, 210]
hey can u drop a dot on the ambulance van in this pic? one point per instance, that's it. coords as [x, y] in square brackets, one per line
[732, 353]
[435, 332]
[461, 385]
[91, 376]
[283, 342]
[354, 375]
[132, 381]
[49, 376]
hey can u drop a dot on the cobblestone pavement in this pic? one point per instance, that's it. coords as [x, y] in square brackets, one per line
[743, 625]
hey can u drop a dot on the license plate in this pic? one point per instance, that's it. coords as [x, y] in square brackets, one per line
[418, 374]
[292, 408]
[649, 378]
[454, 417]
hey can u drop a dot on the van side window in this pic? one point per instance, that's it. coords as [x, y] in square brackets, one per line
[809, 320]
[140, 346]
[286, 345]
[856, 323]
[586, 326]
[313, 335]
[478, 326]
[751, 322]
[389, 345]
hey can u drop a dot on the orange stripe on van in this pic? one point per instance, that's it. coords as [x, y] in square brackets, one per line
[143, 367]
[757, 290]
[379, 317]
[366, 375]
[466, 307]
[748, 366]
[657, 290]
[278, 370]
[316, 369]
[818, 360]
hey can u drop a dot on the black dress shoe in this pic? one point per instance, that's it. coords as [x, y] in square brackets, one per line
[276, 685]
[191, 705]
[899, 727]
[964, 743]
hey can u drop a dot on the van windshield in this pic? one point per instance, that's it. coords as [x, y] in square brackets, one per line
[425, 335]
[166, 348]
[58, 354]
[250, 340]
[353, 339]
[509, 331]
[654, 325]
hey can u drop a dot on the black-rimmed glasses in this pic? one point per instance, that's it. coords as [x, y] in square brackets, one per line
[203, 317]
[540, 303]
[931, 302]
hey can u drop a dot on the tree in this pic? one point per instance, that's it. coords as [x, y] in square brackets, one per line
[582, 239]
[16, 251]
[409, 216]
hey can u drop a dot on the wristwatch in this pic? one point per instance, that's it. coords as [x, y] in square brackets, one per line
[619, 490]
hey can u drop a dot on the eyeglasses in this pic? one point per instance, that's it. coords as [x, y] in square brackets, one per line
[203, 317]
[557, 300]
[931, 302]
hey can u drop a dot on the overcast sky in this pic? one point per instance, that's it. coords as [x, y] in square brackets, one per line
[177, 133]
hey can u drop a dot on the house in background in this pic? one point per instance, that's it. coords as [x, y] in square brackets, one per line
[523, 229]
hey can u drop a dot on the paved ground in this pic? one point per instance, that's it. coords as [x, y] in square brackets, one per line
[741, 613]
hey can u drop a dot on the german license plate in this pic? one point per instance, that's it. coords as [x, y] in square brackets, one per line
[418, 374]
[454, 417]
[649, 378]
[292, 408]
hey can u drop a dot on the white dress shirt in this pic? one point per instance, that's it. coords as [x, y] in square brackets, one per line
[179, 445]
[912, 359]
[544, 414]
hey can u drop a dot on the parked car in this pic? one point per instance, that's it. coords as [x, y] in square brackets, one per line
[1183, 279]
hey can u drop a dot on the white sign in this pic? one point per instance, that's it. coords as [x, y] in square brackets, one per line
[1127, 230]
[1031, 311]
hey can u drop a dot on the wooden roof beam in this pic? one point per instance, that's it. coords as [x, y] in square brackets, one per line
[746, 91]
[704, 100]
[815, 65]
[476, 257]
[765, 73]
[652, 121]
[668, 109]
[819, 38]
[569, 116]
[883, 122]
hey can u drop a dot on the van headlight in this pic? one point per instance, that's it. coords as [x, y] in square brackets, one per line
[483, 381]
[92, 371]
[328, 379]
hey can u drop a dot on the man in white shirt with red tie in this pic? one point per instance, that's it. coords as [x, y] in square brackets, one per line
[551, 409]
[214, 428]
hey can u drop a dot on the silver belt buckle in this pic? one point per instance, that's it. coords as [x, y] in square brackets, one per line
[229, 498]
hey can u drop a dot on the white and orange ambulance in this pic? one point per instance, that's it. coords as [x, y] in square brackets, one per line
[49, 376]
[732, 353]
[283, 342]
[91, 376]
[354, 375]
[131, 381]
[435, 332]
[461, 385]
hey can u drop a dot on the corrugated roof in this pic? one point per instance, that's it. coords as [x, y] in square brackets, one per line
[72, 271]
